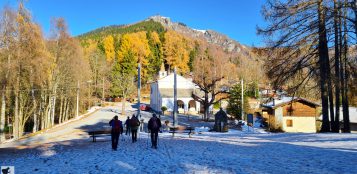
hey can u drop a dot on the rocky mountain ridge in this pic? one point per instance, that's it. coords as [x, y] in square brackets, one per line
[209, 35]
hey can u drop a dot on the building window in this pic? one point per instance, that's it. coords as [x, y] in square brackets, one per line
[289, 123]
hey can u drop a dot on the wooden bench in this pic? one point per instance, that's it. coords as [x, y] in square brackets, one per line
[182, 129]
[101, 133]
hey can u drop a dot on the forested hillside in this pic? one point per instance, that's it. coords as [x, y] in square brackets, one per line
[208, 57]
[99, 33]
[151, 44]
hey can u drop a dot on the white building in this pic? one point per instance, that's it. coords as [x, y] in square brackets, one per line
[162, 94]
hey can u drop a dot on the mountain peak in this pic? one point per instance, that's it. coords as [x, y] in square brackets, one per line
[158, 18]
[208, 35]
[166, 21]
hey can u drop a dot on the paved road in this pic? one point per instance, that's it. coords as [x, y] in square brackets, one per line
[76, 130]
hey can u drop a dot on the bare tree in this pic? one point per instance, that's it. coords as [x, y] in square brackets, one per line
[209, 68]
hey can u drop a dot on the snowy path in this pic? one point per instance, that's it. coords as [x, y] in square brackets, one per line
[233, 152]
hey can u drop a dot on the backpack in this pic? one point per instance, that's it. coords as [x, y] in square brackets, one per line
[154, 125]
[117, 126]
[134, 122]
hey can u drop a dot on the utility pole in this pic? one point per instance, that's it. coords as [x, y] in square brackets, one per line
[175, 123]
[139, 86]
[242, 101]
[77, 106]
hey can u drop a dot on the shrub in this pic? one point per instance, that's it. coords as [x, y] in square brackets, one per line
[163, 109]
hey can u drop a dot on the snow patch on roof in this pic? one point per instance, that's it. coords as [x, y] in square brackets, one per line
[284, 100]
[279, 101]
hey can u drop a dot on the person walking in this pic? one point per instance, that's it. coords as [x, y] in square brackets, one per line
[127, 126]
[117, 129]
[134, 125]
[154, 126]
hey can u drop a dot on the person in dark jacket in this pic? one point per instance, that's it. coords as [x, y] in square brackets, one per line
[134, 125]
[154, 126]
[127, 126]
[117, 129]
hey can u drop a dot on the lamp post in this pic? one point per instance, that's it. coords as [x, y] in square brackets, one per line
[139, 86]
[242, 101]
[175, 123]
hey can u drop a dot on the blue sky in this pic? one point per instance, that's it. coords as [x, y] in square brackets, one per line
[236, 18]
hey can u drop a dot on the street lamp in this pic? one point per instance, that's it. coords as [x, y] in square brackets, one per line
[139, 86]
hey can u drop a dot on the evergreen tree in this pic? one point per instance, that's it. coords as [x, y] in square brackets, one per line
[156, 57]
[235, 102]
[193, 55]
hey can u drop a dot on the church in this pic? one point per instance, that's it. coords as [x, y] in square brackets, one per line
[162, 94]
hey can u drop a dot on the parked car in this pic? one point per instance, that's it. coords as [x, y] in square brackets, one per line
[145, 107]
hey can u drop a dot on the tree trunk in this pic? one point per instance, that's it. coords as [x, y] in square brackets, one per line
[336, 124]
[21, 115]
[2, 116]
[67, 109]
[330, 93]
[206, 107]
[16, 124]
[64, 111]
[61, 110]
[35, 122]
[54, 98]
[43, 110]
[346, 117]
[35, 125]
[323, 57]
[63, 114]
[48, 111]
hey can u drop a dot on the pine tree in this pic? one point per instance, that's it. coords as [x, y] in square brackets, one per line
[235, 102]
[156, 57]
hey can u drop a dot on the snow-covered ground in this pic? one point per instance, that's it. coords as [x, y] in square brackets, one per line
[208, 152]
